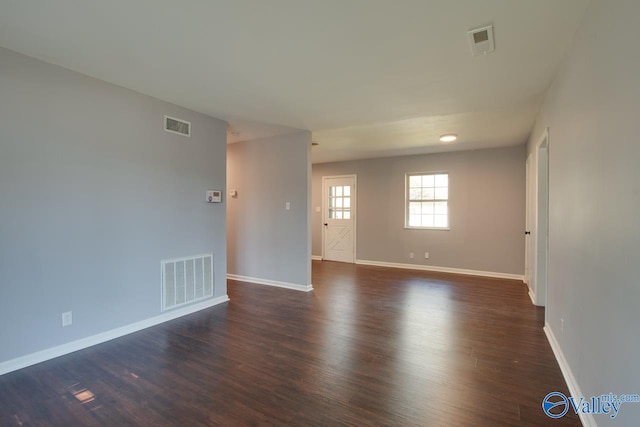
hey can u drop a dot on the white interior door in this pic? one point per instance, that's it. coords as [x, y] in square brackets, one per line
[537, 222]
[529, 260]
[339, 218]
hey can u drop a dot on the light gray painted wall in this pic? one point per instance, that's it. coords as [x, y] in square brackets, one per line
[93, 194]
[592, 111]
[265, 240]
[487, 202]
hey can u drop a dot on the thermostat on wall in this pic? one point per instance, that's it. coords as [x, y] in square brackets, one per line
[214, 196]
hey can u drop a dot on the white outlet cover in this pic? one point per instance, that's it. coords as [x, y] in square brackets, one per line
[67, 318]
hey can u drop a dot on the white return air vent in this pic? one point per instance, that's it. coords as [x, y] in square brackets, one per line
[481, 40]
[186, 280]
[173, 125]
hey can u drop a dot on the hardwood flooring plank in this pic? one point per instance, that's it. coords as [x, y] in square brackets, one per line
[370, 346]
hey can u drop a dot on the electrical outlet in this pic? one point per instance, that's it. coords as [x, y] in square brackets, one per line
[411, 255]
[67, 318]
[426, 255]
[561, 325]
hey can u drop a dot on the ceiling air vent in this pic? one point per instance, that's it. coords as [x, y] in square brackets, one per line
[481, 40]
[173, 125]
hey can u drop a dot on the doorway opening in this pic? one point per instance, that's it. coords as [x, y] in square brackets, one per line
[537, 221]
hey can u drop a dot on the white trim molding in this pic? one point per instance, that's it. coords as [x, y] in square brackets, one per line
[587, 419]
[316, 257]
[497, 275]
[532, 296]
[258, 281]
[61, 350]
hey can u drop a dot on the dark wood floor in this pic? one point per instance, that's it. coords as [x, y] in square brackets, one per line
[370, 346]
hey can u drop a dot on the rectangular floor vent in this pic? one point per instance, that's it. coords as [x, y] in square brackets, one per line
[186, 280]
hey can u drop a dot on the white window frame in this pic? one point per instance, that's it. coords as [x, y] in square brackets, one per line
[407, 177]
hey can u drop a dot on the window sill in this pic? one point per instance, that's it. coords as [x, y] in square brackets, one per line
[427, 228]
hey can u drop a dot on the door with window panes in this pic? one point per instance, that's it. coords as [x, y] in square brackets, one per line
[339, 216]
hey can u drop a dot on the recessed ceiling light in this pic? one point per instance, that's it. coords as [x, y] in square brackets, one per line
[450, 137]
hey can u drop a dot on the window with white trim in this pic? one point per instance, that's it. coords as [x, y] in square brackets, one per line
[427, 200]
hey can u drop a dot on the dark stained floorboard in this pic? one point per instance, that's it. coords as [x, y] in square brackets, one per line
[370, 346]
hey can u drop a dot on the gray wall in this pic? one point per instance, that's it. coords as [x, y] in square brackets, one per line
[266, 241]
[93, 194]
[487, 202]
[592, 111]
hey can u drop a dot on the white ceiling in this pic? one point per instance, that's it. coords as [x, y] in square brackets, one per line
[368, 78]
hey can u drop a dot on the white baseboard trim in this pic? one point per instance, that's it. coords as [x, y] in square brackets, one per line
[442, 269]
[587, 419]
[316, 257]
[61, 350]
[532, 296]
[293, 286]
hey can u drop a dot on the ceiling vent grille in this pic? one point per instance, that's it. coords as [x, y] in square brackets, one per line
[481, 40]
[173, 125]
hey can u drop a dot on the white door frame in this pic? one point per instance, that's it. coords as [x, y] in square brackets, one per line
[542, 218]
[536, 263]
[353, 208]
